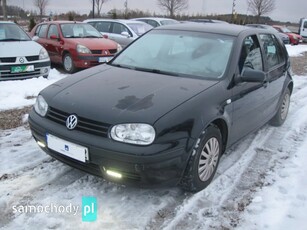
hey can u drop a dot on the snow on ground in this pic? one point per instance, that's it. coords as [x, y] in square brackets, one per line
[13, 94]
[295, 51]
[260, 182]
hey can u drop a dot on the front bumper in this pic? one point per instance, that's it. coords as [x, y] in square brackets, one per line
[90, 61]
[145, 166]
[40, 69]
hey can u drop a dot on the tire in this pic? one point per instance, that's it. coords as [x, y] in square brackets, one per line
[283, 109]
[45, 76]
[202, 167]
[68, 64]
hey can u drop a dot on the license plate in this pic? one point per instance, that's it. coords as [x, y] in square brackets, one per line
[22, 68]
[104, 59]
[67, 148]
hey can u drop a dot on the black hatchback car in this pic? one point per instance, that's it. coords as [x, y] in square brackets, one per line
[165, 109]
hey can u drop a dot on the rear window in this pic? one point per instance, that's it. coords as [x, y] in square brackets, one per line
[139, 28]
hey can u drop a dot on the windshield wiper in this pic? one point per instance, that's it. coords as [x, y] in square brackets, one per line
[91, 36]
[121, 66]
[156, 71]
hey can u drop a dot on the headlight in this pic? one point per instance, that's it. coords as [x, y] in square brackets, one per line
[140, 134]
[83, 49]
[43, 54]
[41, 106]
[119, 48]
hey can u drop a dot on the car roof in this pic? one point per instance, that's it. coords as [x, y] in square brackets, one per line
[61, 22]
[156, 18]
[258, 25]
[219, 28]
[125, 21]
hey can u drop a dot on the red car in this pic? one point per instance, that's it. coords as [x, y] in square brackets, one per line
[295, 39]
[74, 44]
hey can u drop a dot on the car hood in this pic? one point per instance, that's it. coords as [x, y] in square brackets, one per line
[95, 43]
[282, 35]
[115, 95]
[19, 49]
[293, 34]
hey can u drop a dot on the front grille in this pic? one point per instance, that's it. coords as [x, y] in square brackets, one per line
[111, 51]
[84, 124]
[96, 51]
[8, 60]
[35, 73]
[32, 58]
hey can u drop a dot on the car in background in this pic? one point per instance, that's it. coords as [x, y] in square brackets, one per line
[284, 37]
[163, 111]
[206, 20]
[74, 44]
[120, 31]
[155, 21]
[295, 39]
[20, 57]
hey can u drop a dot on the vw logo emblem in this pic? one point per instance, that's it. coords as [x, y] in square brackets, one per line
[105, 52]
[21, 60]
[71, 122]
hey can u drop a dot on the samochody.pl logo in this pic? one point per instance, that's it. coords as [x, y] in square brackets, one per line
[89, 209]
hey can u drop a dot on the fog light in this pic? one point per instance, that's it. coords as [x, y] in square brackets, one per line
[44, 70]
[114, 174]
[41, 144]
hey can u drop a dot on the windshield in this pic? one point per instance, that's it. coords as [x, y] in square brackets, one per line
[179, 53]
[285, 30]
[79, 30]
[139, 28]
[12, 32]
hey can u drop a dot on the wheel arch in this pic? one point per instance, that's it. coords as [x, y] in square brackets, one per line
[223, 127]
[64, 53]
[290, 86]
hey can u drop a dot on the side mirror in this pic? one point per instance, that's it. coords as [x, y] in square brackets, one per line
[251, 75]
[125, 34]
[104, 35]
[35, 38]
[54, 37]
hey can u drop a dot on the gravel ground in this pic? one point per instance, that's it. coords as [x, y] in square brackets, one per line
[299, 64]
[13, 118]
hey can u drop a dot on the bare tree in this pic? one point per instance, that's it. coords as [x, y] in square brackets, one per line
[41, 5]
[261, 7]
[173, 6]
[98, 5]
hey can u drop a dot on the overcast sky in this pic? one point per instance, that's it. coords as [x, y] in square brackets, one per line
[285, 10]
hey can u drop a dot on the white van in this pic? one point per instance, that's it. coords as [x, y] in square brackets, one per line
[303, 29]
